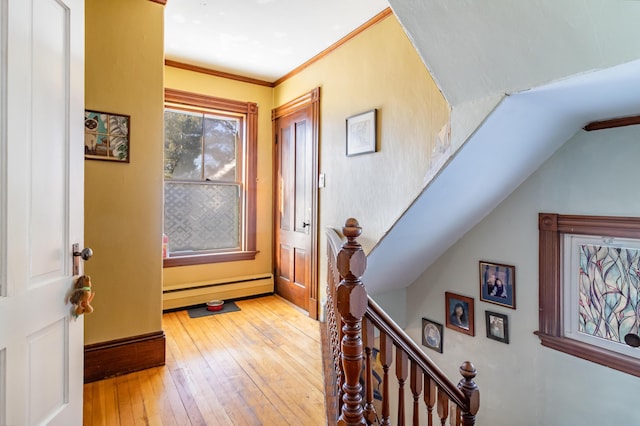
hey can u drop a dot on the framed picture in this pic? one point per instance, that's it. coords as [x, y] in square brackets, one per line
[361, 133]
[497, 326]
[106, 136]
[432, 335]
[460, 313]
[498, 284]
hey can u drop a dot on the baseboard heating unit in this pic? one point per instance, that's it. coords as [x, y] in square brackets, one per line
[188, 294]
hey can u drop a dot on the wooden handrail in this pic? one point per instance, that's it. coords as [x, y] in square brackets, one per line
[352, 321]
[385, 323]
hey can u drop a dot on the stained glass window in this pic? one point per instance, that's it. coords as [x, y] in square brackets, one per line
[608, 291]
[602, 288]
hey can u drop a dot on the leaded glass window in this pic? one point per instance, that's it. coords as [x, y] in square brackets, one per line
[602, 290]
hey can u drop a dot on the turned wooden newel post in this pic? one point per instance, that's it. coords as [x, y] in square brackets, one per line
[352, 305]
[471, 391]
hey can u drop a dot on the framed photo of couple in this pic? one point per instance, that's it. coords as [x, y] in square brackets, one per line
[498, 284]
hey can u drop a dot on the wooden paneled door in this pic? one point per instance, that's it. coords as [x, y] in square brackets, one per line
[296, 254]
[41, 210]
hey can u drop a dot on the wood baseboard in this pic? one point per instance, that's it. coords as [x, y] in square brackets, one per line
[122, 356]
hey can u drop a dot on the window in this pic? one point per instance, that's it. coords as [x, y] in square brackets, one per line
[209, 179]
[607, 288]
[589, 282]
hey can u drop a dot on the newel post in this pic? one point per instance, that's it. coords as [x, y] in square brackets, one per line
[471, 391]
[352, 305]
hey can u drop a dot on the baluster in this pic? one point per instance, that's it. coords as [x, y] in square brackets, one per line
[416, 390]
[335, 352]
[443, 406]
[340, 382]
[386, 347]
[455, 419]
[402, 370]
[338, 359]
[369, 340]
[471, 391]
[333, 327]
[429, 397]
[352, 305]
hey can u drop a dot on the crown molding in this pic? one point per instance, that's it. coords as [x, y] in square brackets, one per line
[371, 22]
[209, 71]
[177, 64]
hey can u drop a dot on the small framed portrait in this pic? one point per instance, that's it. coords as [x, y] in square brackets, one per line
[498, 284]
[497, 326]
[432, 335]
[460, 313]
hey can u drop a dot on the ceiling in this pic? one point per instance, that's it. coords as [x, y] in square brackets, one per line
[261, 39]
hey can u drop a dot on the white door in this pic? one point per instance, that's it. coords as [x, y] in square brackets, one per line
[41, 209]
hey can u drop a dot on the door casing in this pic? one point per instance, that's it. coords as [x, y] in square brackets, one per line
[310, 99]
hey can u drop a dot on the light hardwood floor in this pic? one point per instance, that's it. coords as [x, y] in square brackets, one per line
[259, 366]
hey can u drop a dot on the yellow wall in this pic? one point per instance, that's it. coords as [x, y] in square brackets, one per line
[123, 202]
[214, 86]
[377, 69]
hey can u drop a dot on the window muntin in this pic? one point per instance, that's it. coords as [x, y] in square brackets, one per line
[210, 172]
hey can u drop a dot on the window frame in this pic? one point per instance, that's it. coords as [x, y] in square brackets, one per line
[188, 101]
[552, 228]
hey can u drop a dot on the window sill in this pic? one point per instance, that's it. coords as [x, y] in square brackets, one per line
[591, 353]
[201, 259]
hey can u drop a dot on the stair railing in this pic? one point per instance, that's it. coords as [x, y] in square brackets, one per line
[357, 328]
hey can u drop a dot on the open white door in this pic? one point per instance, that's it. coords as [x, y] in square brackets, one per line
[41, 209]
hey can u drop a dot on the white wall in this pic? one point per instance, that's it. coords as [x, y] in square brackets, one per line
[479, 50]
[524, 383]
[394, 303]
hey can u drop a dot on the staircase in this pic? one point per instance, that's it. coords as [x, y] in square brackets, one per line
[364, 344]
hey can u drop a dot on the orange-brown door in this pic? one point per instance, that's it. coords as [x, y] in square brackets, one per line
[294, 240]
